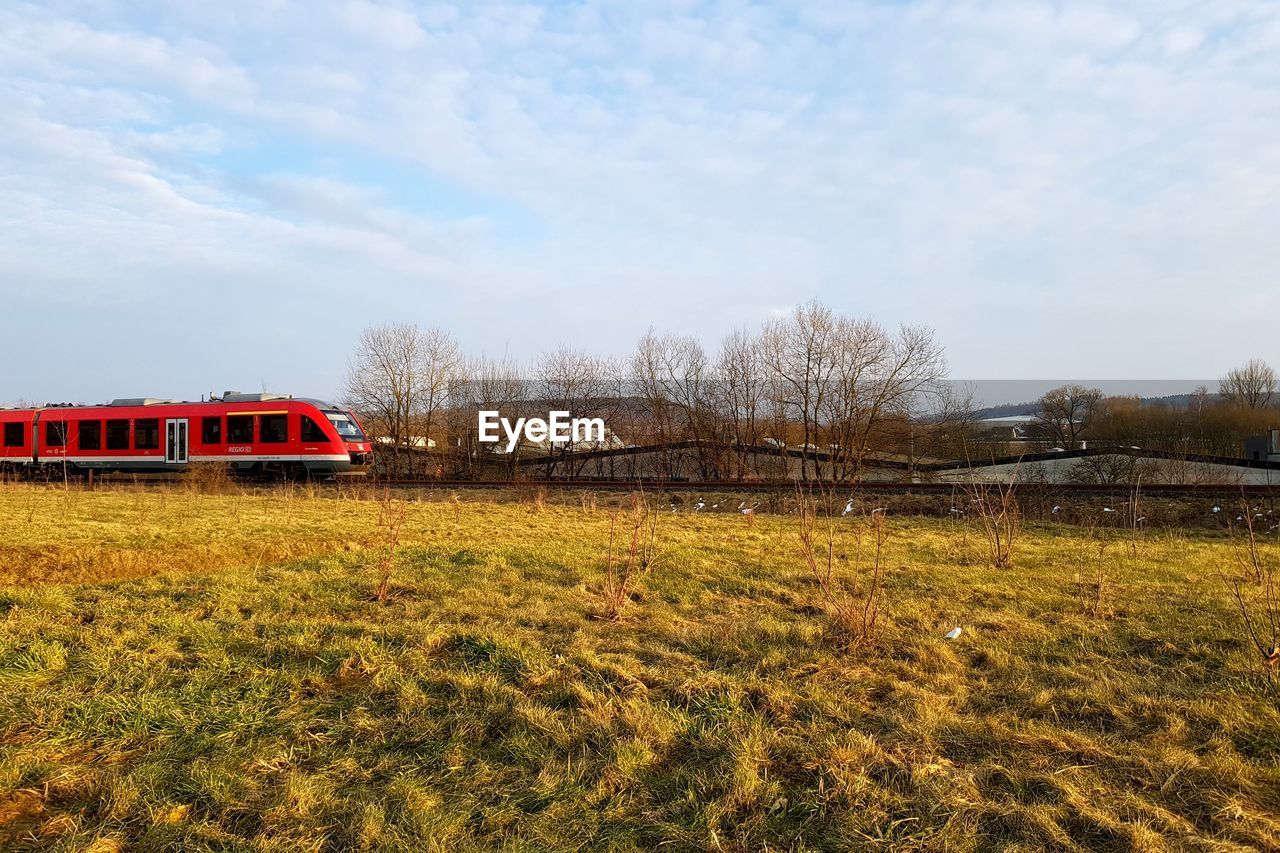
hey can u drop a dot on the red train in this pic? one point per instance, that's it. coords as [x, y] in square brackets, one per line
[250, 433]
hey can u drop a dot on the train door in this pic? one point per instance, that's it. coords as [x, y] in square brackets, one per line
[175, 446]
[35, 437]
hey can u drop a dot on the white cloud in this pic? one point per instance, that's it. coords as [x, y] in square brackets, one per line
[382, 26]
[976, 166]
[1182, 40]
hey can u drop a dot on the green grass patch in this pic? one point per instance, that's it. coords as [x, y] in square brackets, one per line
[233, 685]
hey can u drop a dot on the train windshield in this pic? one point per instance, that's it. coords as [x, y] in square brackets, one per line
[348, 429]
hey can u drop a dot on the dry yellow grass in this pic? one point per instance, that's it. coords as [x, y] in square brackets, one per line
[212, 671]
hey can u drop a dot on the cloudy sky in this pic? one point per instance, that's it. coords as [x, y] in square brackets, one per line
[220, 195]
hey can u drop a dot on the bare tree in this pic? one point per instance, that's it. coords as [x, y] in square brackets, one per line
[739, 396]
[844, 381]
[1066, 412]
[1111, 469]
[1251, 386]
[399, 379]
[947, 429]
[646, 376]
[674, 376]
[882, 380]
[440, 369]
[800, 354]
[492, 385]
[586, 385]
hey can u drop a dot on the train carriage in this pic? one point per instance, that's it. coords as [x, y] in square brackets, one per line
[249, 433]
[15, 439]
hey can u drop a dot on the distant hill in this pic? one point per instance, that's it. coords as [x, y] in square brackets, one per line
[1173, 401]
[1006, 410]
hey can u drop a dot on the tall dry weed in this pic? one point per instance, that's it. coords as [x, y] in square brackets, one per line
[995, 505]
[1255, 591]
[852, 595]
[638, 523]
[391, 517]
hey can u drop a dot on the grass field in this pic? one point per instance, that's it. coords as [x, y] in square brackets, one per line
[212, 671]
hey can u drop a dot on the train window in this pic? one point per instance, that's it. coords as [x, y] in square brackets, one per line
[15, 435]
[55, 433]
[91, 435]
[211, 430]
[346, 427]
[311, 430]
[239, 429]
[146, 434]
[117, 435]
[274, 429]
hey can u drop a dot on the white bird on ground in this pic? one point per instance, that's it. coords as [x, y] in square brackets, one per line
[848, 508]
[953, 633]
[1107, 509]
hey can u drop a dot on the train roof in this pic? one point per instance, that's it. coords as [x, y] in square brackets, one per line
[145, 402]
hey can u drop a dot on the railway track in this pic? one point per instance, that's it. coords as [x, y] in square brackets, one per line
[772, 487]
[1064, 490]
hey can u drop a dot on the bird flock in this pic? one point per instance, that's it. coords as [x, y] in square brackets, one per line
[749, 508]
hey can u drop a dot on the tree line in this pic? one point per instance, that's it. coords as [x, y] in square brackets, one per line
[1209, 423]
[833, 392]
[833, 387]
